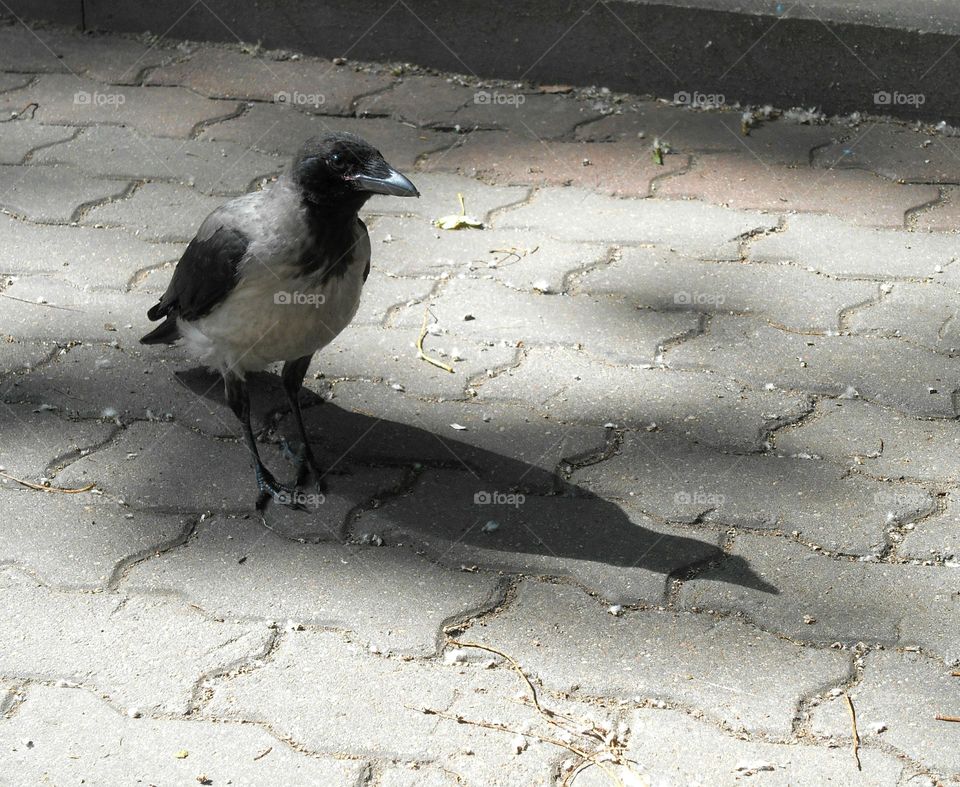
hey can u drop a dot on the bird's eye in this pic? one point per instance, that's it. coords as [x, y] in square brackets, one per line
[336, 160]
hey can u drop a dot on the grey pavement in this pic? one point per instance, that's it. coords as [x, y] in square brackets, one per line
[694, 473]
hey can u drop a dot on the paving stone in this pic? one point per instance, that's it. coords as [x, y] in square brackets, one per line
[830, 245]
[105, 58]
[504, 445]
[86, 257]
[747, 679]
[944, 217]
[416, 776]
[342, 677]
[684, 482]
[691, 131]
[76, 541]
[936, 537]
[421, 100]
[147, 466]
[77, 737]
[145, 653]
[166, 212]
[849, 601]
[34, 438]
[210, 167]
[375, 354]
[672, 748]
[920, 313]
[462, 520]
[389, 598]
[55, 193]
[19, 137]
[159, 111]
[276, 130]
[613, 168]
[886, 371]
[20, 356]
[307, 84]
[786, 295]
[14, 82]
[605, 327]
[706, 408]
[520, 259]
[534, 116]
[902, 692]
[384, 291]
[690, 228]
[37, 307]
[897, 152]
[439, 198]
[742, 181]
[883, 442]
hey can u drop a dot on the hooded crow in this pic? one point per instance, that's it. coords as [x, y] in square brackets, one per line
[276, 275]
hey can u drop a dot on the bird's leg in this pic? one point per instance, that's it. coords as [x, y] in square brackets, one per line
[292, 375]
[270, 489]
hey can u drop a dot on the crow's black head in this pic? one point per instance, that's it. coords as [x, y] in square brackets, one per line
[343, 168]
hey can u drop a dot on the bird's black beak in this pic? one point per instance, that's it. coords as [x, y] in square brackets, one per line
[384, 179]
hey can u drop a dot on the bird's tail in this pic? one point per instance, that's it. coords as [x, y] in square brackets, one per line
[166, 332]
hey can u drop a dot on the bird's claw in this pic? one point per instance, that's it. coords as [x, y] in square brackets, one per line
[271, 489]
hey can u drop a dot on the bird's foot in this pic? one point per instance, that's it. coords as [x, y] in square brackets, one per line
[271, 489]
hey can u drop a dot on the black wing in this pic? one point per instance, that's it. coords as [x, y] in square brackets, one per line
[205, 275]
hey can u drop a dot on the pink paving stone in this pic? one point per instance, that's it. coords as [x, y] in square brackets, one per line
[310, 84]
[741, 181]
[624, 169]
[898, 153]
[160, 111]
[421, 100]
[944, 217]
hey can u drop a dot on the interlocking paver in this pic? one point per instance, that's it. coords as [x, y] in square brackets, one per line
[534, 116]
[77, 541]
[847, 601]
[657, 474]
[661, 742]
[103, 58]
[465, 520]
[139, 634]
[17, 356]
[937, 536]
[742, 181]
[888, 371]
[690, 131]
[943, 217]
[166, 212]
[264, 127]
[659, 279]
[920, 313]
[386, 597]
[19, 137]
[35, 437]
[211, 167]
[521, 259]
[833, 246]
[613, 168]
[306, 84]
[881, 441]
[568, 384]
[160, 111]
[77, 737]
[900, 694]
[897, 152]
[421, 100]
[691, 228]
[14, 82]
[84, 256]
[681, 658]
[344, 676]
[53, 193]
[605, 327]
[385, 291]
